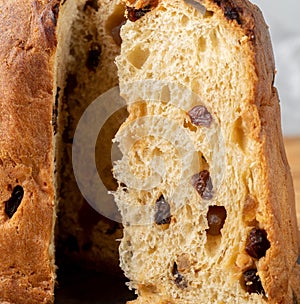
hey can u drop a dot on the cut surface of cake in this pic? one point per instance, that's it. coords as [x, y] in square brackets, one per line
[205, 190]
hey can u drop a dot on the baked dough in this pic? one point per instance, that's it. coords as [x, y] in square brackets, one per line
[205, 190]
[56, 57]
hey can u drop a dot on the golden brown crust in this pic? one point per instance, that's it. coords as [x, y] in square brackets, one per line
[279, 202]
[27, 45]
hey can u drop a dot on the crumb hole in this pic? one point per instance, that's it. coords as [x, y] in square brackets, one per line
[189, 212]
[216, 217]
[214, 39]
[14, 201]
[208, 14]
[188, 125]
[238, 134]
[114, 23]
[184, 20]
[138, 56]
[202, 44]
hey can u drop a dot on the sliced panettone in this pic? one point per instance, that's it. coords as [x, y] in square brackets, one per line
[205, 190]
[56, 57]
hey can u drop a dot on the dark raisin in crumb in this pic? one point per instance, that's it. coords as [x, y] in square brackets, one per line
[216, 216]
[93, 57]
[162, 211]
[55, 11]
[257, 243]
[135, 14]
[179, 278]
[14, 201]
[200, 116]
[203, 184]
[92, 4]
[232, 14]
[252, 282]
[298, 260]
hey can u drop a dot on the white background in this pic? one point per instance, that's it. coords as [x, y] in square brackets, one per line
[283, 18]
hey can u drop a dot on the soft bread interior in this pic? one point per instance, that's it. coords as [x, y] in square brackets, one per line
[88, 42]
[172, 59]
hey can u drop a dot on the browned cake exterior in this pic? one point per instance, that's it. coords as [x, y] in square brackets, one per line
[27, 45]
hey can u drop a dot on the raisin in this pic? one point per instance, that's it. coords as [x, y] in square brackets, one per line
[203, 184]
[216, 216]
[200, 116]
[92, 4]
[257, 243]
[93, 57]
[232, 14]
[162, 211]
[55, 11]
[14, 201]
[135, 14]
[252, 282]
[179, 278]
[298, 260]
[230, 11]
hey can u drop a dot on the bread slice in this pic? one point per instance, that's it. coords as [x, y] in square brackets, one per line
[205, 190]
[84, 236]
[55, 58]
